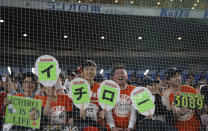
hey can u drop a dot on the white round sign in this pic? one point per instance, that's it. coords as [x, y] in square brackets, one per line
[143, 101]
[80, 93]
[47, 70]
[109, 94]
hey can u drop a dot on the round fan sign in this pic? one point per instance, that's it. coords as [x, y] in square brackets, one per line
[47, 70]
[143, 101]
[109, 94]
[80, 93]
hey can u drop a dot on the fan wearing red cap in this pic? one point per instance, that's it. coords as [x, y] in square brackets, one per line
[90, 116]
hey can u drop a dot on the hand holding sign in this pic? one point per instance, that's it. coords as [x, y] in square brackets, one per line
[109, 93]
[47, 70]
[24, 112]
[143, 101]
[80, 93]
[82, 112]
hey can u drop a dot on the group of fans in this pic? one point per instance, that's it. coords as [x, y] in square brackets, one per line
[123, 117]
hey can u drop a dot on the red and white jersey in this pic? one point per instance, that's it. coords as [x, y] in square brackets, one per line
[187, 120]
[122, 112]
[92, 110]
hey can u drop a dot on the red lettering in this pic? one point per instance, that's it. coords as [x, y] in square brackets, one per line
[111, 85]
[78, 82]
[44, 60]
[137, 92]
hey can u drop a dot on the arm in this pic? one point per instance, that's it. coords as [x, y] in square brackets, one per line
[132, 120]
[11, 86]
[110, 119]
[46, 110]
[51, 93]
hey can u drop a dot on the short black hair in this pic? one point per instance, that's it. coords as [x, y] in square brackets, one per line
[119, 66]
[88, 63]
[149, 81]
[71, 73]
[170, 72]
[99, 78]
[29, 74]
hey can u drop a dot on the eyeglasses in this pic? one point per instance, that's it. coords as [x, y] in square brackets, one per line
[28, 82]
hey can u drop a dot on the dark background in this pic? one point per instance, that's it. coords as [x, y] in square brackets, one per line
[158, 49]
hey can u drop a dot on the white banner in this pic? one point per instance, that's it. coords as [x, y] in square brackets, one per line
[105, 9]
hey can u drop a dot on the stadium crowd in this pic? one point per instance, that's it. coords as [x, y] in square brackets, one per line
[123, 117]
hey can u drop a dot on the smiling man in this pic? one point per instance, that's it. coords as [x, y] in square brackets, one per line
[122, 116]
[90, 118]
[88, 72]
[187, 119]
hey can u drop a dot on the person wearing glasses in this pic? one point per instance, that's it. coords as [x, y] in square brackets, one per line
[29, 85]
